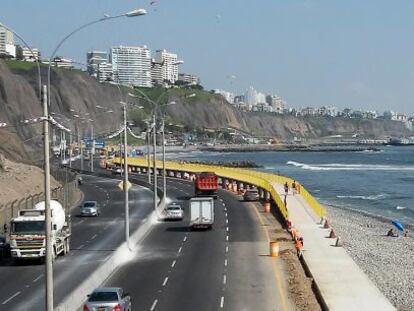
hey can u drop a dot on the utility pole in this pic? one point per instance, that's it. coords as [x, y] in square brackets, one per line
[48, 214]
[126, 178]
[92, 147]
[149, 154]
[164, 172]
[70, 150]
[154, 137]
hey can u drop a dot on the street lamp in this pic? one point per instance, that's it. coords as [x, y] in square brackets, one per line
[46, 104]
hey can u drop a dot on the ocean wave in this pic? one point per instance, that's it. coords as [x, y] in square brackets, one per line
[349, 167]
[399, 208]
[364, 197]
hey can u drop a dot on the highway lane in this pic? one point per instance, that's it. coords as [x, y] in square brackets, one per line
[226, 268]
[93, 239]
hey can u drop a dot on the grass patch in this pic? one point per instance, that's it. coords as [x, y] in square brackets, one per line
[20, 65]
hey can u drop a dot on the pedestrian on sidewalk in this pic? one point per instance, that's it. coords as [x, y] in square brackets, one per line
[294, 187]
[286, 188]
[299, 246]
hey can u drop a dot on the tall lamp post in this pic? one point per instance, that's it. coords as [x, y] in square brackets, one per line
[49, 257]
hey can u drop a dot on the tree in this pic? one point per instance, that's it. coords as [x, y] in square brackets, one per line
[19, 52]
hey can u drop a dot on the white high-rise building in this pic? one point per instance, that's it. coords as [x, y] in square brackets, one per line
[169, 65]
[27, 54]
[7, 46]
[131, 65]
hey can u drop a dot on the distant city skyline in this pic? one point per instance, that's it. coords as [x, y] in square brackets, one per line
[355, 54]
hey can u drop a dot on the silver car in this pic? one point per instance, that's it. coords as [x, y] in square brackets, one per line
[108, 299]
[90, 208]
[174, 211]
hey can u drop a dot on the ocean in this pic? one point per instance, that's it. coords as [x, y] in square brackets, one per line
[376, 182]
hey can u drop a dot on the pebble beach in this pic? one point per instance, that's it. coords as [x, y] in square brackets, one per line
[388, 261]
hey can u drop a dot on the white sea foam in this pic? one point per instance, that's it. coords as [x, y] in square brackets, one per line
[363, 197]
[350, 167]
[399, 208]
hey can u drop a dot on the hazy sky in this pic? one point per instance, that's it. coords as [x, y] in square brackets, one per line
[354, 53]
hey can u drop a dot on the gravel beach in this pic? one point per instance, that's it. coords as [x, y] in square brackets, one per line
[386, 260]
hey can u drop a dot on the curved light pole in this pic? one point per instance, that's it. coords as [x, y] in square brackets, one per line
[49, 258]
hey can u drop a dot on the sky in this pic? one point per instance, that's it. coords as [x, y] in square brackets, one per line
[355, 54]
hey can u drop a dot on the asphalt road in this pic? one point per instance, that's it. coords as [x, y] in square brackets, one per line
[226, 268]
[93, 239]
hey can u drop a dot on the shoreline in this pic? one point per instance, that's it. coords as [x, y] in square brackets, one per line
[386, 260]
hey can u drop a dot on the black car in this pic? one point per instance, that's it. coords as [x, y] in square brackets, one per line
[4, 248]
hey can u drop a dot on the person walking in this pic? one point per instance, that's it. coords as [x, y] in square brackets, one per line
[294, 187]
[286, 188]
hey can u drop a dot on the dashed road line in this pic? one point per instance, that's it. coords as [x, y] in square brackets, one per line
[38, 278]
[94, 236]
[222, 302]
[81, 246]
[154, 304]
[173, 263]
[10, 298]
[225, 262]
[227, 229]
[185, 239]
[227, 238]
[227, 249]
[180, 249]
[224, 279]
[165, 281]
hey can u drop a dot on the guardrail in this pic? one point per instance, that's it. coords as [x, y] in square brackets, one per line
[260, 179]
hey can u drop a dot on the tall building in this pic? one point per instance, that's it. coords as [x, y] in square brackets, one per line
[26, 54]
[94, 59]
[7, 46]
[276, 102]
[254, 97]
[156, 73]
[169, 65]
[131, 65]
[189, 79]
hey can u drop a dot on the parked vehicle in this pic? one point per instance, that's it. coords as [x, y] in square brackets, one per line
[27, 232]
[174, 211]
[201, 212]
[108, 299]
[206, 184]
[90, 208]
[251, 195]
[117, 170]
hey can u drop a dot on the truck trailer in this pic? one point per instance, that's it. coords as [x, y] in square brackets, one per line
[201, 212]
[28, 233]
[206, 184]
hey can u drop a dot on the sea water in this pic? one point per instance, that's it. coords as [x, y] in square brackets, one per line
[377, 182]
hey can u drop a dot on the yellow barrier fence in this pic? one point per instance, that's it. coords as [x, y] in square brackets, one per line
[260, 179]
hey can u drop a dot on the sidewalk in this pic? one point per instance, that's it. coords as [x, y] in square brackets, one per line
[342, 284]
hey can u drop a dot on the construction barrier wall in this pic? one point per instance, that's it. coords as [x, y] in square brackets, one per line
[259, 179]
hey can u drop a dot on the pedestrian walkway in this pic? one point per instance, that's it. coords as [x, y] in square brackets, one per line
[342, 284]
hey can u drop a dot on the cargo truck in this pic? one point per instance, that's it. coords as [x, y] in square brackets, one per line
[28, 236]
[206, 184]
[201, 212]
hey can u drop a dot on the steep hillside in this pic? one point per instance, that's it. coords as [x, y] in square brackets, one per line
[75, 90]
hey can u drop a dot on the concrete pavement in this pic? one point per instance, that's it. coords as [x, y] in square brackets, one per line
[343, 286]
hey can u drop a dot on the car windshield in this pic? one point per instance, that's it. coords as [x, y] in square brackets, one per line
[103, 296]
[28, 227]
[89, 204]
[174, 208]
[252, 191]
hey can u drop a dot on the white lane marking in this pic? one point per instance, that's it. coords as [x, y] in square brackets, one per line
[173, 263]
[222, 302]
[227, 229]
[165, 281]
[227, 238]
[185, 239]
[227, 221]
[94, 236]
[10, 298]
[38, 278]
[180, 249]
[227, 249]
[81, 221]
[224, 204]
[225, 262]
[154, 304]
[225, 209]
[224, 279]
[82, 246]
[226, 215]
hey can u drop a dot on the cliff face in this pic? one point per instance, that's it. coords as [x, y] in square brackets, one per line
[70, 89]
[217, 113]
[75, 90]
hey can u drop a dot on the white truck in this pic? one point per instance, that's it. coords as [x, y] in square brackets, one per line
[28, 236]
[201, 212]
